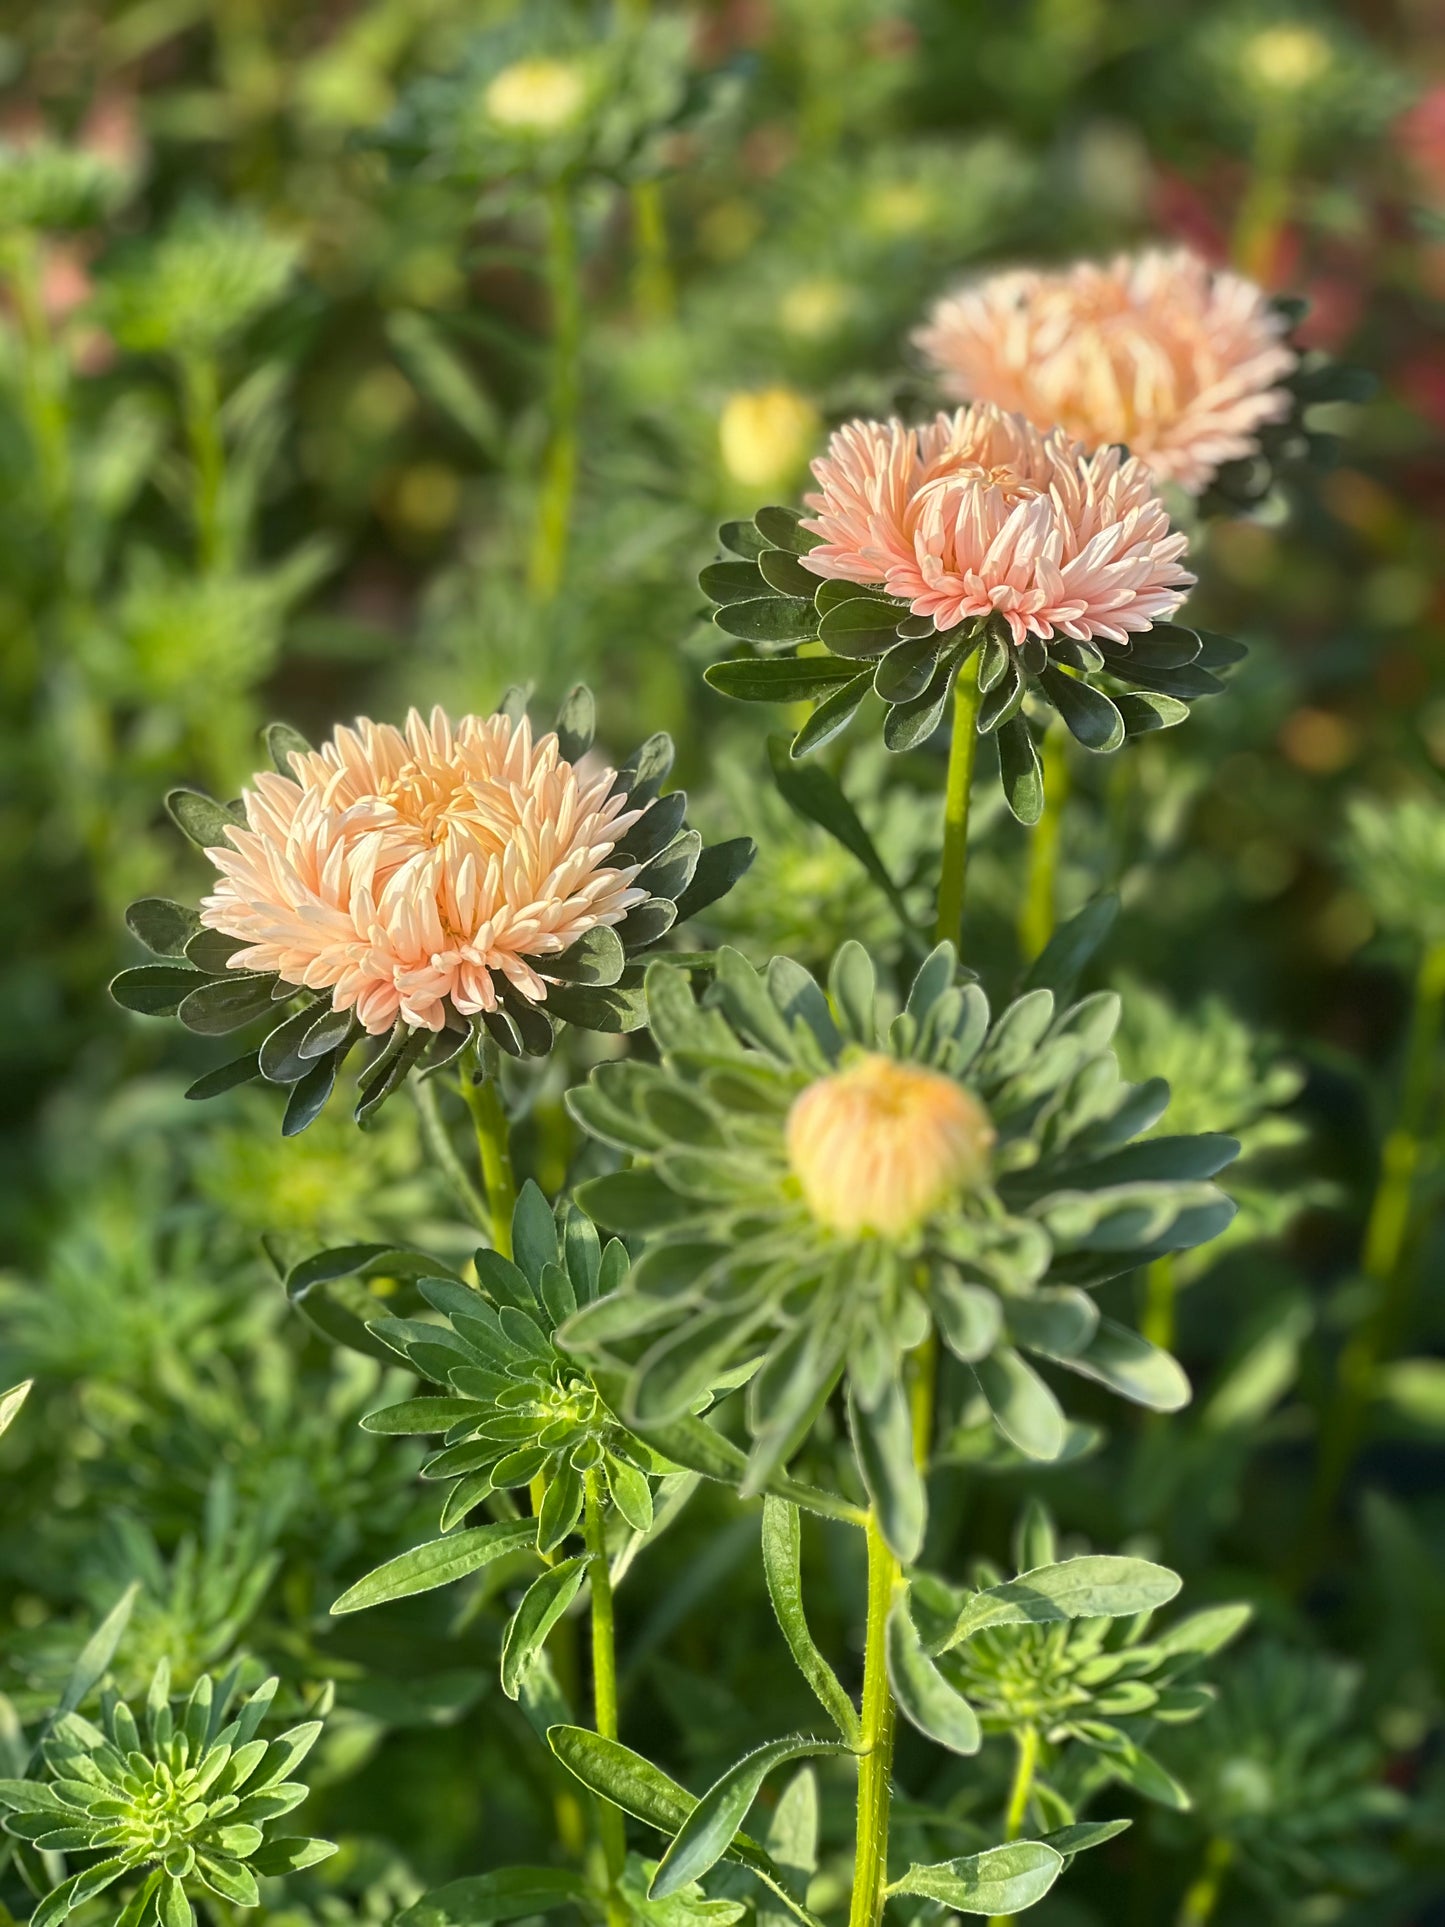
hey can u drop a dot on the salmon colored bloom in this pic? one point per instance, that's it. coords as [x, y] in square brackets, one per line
[1181, 362]
[978, 512]
[403, 870]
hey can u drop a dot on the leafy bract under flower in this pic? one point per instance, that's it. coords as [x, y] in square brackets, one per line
[973, 534]
[177, 1801]
[1179, 362]
[738, 1272]
[420, 888]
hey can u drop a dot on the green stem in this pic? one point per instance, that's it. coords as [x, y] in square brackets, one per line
[1036, 921]
[201, 405]
[651, 275]
[1157, 1323]
[610, 1824]
[1386, 1237]
[494, 1152]
[870, 1862]
[1025, 1767]
[1203, 1896]
[1266, 203]
[962, 754]
[559, 472]
[44, 375]
[443, 1152]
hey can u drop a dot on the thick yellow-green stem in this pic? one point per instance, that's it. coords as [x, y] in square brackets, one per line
[201, 405]
[651, 273]
[875, 1767]
[1202, 1898]
[1157, 1324]
[494, 1152]
[559, 468]
[962, 754]
[1384, 1256]
[604, 1689]
[1036, 920]
[1266, 203]
[1025, 1767]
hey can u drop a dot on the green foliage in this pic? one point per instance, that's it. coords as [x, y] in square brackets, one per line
[181, 1796]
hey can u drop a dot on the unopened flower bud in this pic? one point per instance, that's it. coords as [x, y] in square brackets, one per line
[879, 1146]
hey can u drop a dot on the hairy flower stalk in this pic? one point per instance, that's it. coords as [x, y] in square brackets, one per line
[1181, 362]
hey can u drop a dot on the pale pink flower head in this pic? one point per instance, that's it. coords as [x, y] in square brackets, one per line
[1181, 362]
[977, 513]
[409, 872]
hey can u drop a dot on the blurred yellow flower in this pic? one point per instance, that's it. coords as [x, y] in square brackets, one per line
[813, 309]
[765, 436]
[537, 96]
[879, 1146]
[1286, 59]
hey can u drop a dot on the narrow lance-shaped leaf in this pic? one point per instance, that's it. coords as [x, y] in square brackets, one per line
[1096, 1586]
[510, 1893]
[924, 1696]
[782, 1567]
[437, 1563]
[1004, 1880]
[707, 1833]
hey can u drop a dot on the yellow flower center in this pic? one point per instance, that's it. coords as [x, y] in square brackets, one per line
[766, 436]
[879, 1146]
[536, 96]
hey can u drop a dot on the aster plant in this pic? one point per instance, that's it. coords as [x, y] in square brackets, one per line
[823, 1190]
[171, 1803]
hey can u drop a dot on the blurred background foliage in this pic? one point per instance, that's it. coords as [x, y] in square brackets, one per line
[356, 353]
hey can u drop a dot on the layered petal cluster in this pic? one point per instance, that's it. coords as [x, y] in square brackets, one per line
[978, 512]
[1181, 362]
[402, 870]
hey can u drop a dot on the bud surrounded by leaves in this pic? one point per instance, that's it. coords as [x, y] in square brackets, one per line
[416, 892]
[784, 1232]
[971, 534]
[181, 1796]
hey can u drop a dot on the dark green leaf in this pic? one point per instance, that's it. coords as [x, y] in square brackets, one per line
[226, 1077]
[542, 1605]
[155, 990]
[787, 679]
[310, 1092]
[728, 582]
[707, 1832]
[282, 743]
[1020, 770]
[860, 627]
[576, 723]
[1071, 947]
[438, 1563]
[780, 527]
[772, 618]
[785, 574]
[202, 818]
[718, 869]
[742, 538]
[1025, 1410]
[1089, 715]
[165, 928]
[830, 717]
[226, 1004]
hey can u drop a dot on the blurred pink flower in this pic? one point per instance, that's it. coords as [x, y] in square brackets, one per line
[977, 512]
[400, 870]
[1179, 361]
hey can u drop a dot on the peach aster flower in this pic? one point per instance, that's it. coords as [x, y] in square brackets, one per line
[1181, 362]
[405, 870]
[978, 512]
